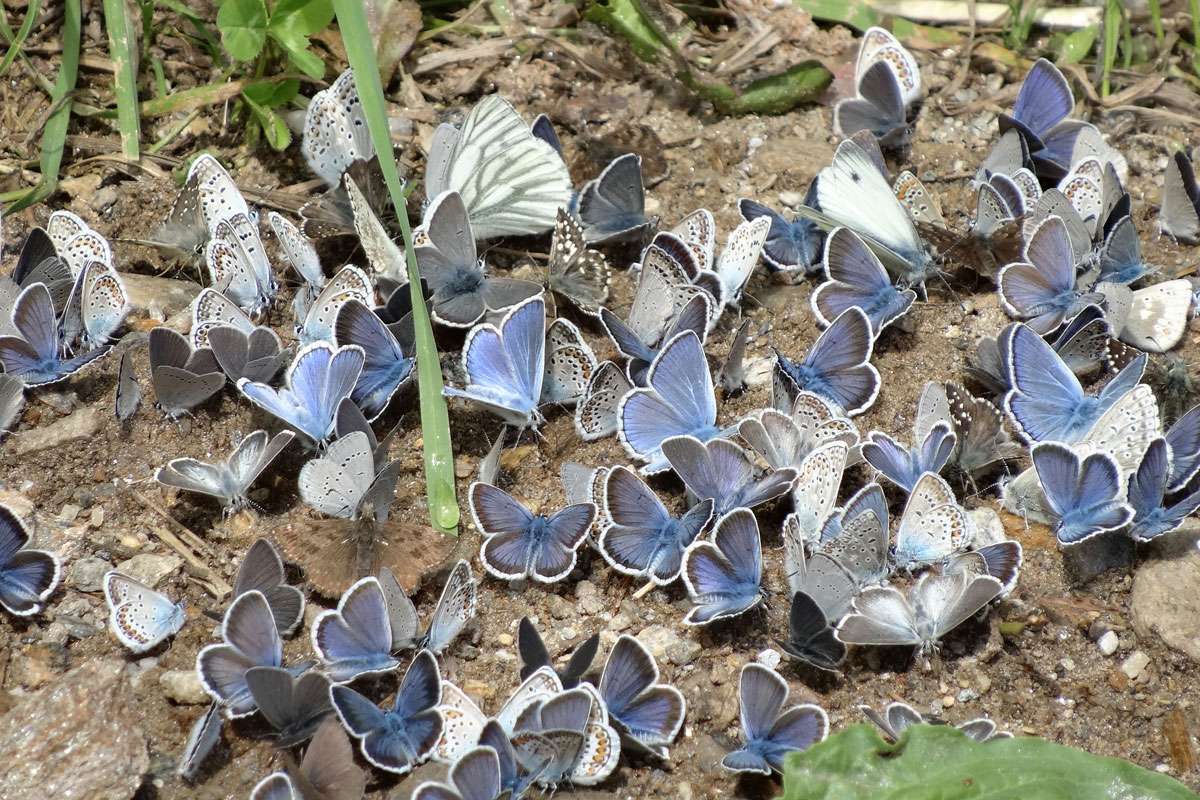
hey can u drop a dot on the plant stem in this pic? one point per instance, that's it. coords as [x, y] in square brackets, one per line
[15, 42]
[435, 418]
[121, 49]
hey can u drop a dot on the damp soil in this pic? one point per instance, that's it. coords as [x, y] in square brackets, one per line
[1043, 676]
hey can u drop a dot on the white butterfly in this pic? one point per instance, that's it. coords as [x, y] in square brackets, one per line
[737, 262]
[237, 264]
[1153, 319]
[570, 364]
[512, 182]
[816, 489]
[299, 251]
[140, 616]
[335, 131]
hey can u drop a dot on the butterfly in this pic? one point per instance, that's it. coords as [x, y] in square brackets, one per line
[819, 576]
[935, 605]
[350, 283]
[335, 131]
[511, 182]
[139, 616]
[261, 570]
[1040, 116]
[1147, 491]
[465, 724]
[771, 731]
[250, 640]
[355, 639]
[596, 412]
[27, 576]
[299, 251]
[389, 355]
[1002, 560]
[1179, 211]
[12, 401]
[852, 192]
[327, 771]
[348, 482]
[856, 537]
[978, 426]
[638, 535]
[399, 738]
[811, 638]
[880, 46]
[697, 232]
[1153, 319]
[816, 489]
[576, 723]
[202, 739]
[570, 363]
[227, 480]
[649, 714]
[294, 706]
[855, 278]
[736, 263]
[785, 438]
[897, 717]
[535, 656]
[693, 316]
[904, 467]
[182, 378]
[1121, 254]
[521, 544]
[1041, 289]
[576, 273]
[317, 380]
[128, 394]
[255, 356]
[38, 262]
[33, 354]
[878, 106]
[791, 245]
[1047, 401]
[475, 775]
[720, 471]
[462, 291]
[837, 367]
[932, 526]
[679, 400]
[212, 309]
[1009, 154]
[612, 206]
[1183, 437]
[96, 307]
[455, 608]
[724, 576]
[1084, 494]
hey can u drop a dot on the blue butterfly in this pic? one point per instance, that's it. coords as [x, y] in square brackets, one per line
[1084, 494]
[720, 471]
[506, 366]
[474, 776]
[1041, 289]
[1040, 116]
[403, 736]
[613, 205]
[854, 277]
[1121, 254]
[678, 400]
[27, 577]
[294, 706]
[387, 364]
[790, 246]
[837, 367]
[1147, 495]
[724, 576]
[517, 775]
[878, 107]
[639, 536]
[694, 316]
[355, 638]
[250, 640]
[902, 466]
[34, 354]
[521, 544]
[932, 527]
[1184, 439]
[317, 381]
[542, 128]
[1046, 401]
[648, 714]
[771, 731]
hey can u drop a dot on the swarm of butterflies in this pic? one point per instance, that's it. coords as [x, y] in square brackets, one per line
[1053, 228]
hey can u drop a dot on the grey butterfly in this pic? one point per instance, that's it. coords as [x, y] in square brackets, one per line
[455, 608]
[255, 356]
[12, 401]
[576, 273]
[345, 482]
[227, 480]
[819, 576]
[182, 378]
[205, 733]
[569, 364]
[596, 413]
[262, 571]
[129, 391]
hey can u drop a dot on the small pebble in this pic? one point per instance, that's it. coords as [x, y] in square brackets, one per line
[505, 639]
[1134, 664]
[791, 199]
[1108, 643]
[183, 686]
[768, 658]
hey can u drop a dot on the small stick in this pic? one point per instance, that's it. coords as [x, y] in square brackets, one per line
[216, 585]
[645, 590]
[191, 538]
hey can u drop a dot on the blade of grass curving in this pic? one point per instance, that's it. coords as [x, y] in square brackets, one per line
[54, 133]
[17, 41]
[435, 418]
[122, 49]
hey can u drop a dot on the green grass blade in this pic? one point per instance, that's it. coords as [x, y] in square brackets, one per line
[17, 41]
[122, 50]
[54, 134]
[435, 418]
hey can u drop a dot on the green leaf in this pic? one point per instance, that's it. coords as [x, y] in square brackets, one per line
[305, 16]
[857, 15]
[624, 18]
[272, 94]
[274, 129]
[243, 25]
[305, 60]
[938, 762]
[1076, 45]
